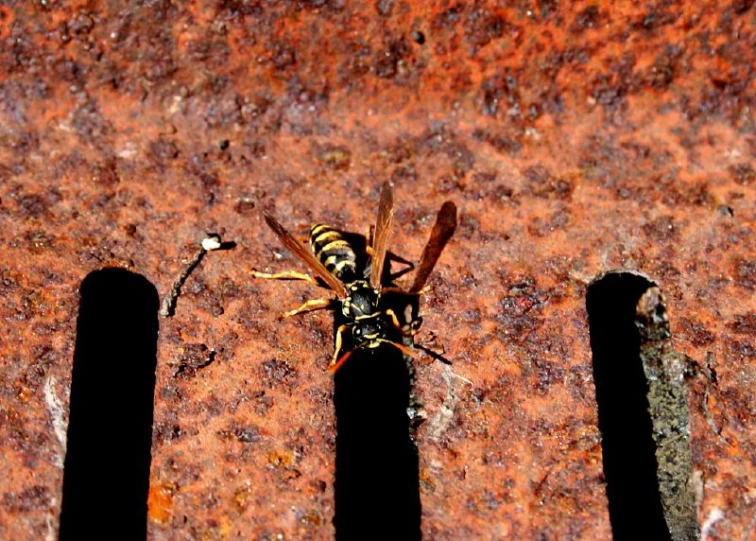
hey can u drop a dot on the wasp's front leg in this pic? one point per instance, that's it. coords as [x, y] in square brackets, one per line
[286, 275]
[311, 306]
[410, 328]
[336, 362]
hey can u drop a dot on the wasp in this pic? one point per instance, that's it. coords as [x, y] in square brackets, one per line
[355, 274]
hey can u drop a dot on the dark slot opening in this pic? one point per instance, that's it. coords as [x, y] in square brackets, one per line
[377, 483]
[630, 466]
[107, 465]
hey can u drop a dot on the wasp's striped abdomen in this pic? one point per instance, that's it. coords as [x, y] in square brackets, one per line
[334, 252]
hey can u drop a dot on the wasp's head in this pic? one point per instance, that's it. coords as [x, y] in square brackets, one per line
[368, 332]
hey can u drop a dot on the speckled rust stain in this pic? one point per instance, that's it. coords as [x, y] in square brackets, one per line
[574, 139]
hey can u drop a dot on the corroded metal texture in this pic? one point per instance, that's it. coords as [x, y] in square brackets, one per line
[574, 138]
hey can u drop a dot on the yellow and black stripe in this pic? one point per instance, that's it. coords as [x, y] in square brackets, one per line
[334, 252]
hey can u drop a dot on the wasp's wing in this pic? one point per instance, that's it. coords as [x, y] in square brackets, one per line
[443, 229]
[382, 229]
[301, 251]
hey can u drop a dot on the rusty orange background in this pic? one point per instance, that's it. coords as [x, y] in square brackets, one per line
[575, 138]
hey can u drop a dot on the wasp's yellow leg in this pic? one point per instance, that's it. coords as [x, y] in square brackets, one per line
[310, 306]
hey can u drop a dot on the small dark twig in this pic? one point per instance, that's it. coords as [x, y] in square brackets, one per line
[209, 243]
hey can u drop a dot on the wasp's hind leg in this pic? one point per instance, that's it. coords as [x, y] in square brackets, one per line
[311, 306]
[286, 275]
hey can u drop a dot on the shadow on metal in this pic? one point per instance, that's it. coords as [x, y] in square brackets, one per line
[107, 465]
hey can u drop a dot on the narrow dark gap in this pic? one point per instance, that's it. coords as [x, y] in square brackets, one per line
[377, 481]
[107, 465]
[630, 467]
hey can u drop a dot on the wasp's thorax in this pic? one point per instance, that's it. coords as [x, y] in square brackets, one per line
[361, 301]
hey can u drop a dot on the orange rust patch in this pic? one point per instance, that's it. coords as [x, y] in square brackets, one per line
[160, 503]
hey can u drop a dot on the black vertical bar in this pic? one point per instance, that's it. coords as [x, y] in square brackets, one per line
[630, 467]
[107, 465]
[377, 483]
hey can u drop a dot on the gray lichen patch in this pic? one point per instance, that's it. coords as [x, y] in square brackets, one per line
[668, 407]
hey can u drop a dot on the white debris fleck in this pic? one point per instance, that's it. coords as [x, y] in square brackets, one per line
[57, 412]
[211, 242]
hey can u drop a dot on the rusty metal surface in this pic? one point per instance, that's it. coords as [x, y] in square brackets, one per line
[574, 139]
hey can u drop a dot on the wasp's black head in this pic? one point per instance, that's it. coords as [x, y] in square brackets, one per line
[362, 300]
[366, 332]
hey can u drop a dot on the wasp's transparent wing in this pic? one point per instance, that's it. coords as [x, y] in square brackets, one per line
[443, 229]
[382, 230]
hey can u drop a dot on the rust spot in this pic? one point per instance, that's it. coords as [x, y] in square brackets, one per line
[574, 138]
[745, 273]
[35, 497]
[743, 174]
[660, 229]
[106, 174]
[280, 459]
[744, 324]
[697, 332]
[275, 373]
[335, 158]
[6, 21]
[586, 19]
[243, 497]
[390, 61]
[482, 26]
[32, 206]
[162, 151]
[242, 434]
[160, 502]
